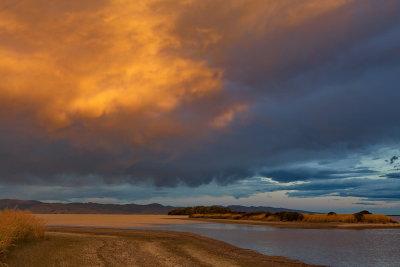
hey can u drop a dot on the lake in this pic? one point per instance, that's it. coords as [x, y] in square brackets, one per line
[332, 247]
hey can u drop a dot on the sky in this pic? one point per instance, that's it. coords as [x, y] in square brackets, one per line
[286, 103]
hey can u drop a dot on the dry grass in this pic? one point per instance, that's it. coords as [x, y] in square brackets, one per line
[230, 216]
[272, 218]
[346, 218]
[309, 218]
[260, 216]
[377, 218]
[112, 220]
[17, 226]
[318, 218]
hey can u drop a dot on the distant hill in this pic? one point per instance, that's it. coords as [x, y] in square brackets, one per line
[83, 208]
[94, 208]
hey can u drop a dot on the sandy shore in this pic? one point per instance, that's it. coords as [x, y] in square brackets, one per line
[154, 221]
[111, 220]
[67, 246]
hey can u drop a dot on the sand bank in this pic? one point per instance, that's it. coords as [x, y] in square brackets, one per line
[111, 220]
[115, 247]
[154, 221]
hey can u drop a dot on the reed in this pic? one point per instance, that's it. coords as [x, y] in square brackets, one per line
[256, 217]
[377, 218]
[17, 226]
[317, 218]
[231, 216]
[310, 218]
[346, 218]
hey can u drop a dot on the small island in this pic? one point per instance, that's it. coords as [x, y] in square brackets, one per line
[288, 219]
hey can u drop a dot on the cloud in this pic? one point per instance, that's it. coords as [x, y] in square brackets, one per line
[368, 189]
[365, 203]
[196, 92]
[393, 159]
[304, 174]
[393, 175]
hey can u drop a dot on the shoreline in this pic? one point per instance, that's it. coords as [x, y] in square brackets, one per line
[301, 225]
[154, 221]
[84, 246]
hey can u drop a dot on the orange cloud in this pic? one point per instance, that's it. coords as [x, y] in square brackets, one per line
[123, 68]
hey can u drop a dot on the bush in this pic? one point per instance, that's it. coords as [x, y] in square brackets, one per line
[17, 226]
[364, 212]
[359, 217]
[331, 213]
[289, 216]
[200, 210]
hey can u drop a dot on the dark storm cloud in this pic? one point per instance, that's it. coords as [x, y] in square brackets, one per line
[368, 189]
[250, 90]
[365, 203]
[304, 174]
[393, 159]
[393, 175]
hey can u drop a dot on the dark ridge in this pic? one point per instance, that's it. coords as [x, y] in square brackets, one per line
[95, 208]
[83, 208]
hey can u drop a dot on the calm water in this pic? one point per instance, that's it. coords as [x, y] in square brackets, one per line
[374, 247]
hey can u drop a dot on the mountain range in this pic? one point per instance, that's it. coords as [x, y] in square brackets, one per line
[39, 207]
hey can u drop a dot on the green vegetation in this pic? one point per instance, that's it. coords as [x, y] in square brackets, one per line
[200, 210]
[17, 227]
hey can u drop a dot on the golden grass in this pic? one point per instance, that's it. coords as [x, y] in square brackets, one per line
[260, 216]
[230, 216]
[318, 218]
[17, 226]
[377, 218]
[113, 220]
[272, 218]
[309, 218]
[345, 218]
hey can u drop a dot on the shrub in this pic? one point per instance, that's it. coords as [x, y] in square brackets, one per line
[200, 210]
[17, 226]
[331, 213]
[363, 212]
[359, 217]
[289, 216]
